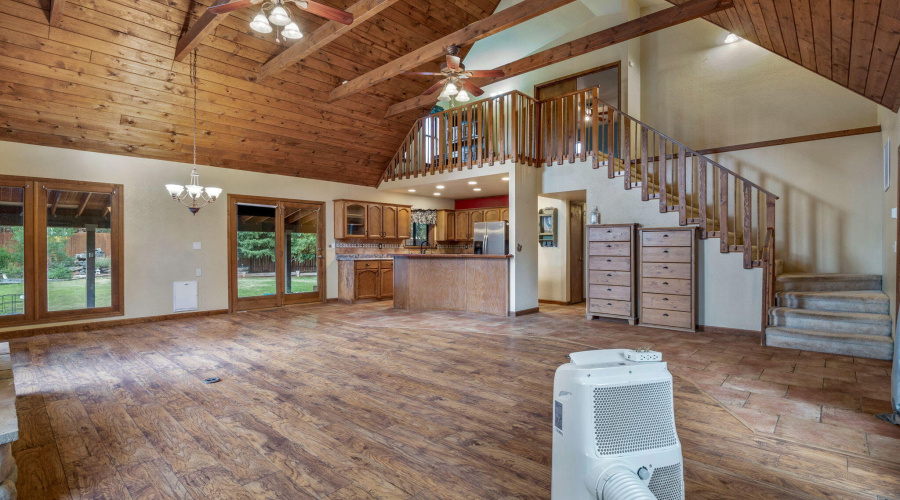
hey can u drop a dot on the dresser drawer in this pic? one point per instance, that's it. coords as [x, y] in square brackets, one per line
[367, 264]
[674, 319]
[617, 307]
[667, 302]
[666, 254]
[666, 270]
[386, 264]
[610, 278]
[675, 238]
[609, 234]
[610, 263]
[615, 249]
[610, 292]
[666, 286]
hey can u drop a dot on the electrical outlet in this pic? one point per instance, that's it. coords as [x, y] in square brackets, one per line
[197, 247]
[197, 271]
[643, 355]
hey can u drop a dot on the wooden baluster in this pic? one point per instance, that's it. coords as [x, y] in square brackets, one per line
[748, 221]
[479, 130]
[737, 206]
[490, 129]
[682, 185]
[559, 130]
[470, 117]
[595, 125]
[514, 126]
[662, 173]
[610, 142]
[581, 116]
[539, 132]
[572, 122]
[723, 210]
[626, 150]
[645, 164]
[770, 223]
[702, 195]
[501, 112]
[441, 134]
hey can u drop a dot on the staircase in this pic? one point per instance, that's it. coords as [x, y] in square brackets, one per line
[845, 314]
[835, 313]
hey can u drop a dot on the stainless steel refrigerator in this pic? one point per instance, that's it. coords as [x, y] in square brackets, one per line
[491, 238]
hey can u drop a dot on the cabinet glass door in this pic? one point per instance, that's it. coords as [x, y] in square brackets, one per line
[355, 219]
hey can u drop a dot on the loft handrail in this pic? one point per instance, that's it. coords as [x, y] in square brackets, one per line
[673, 141]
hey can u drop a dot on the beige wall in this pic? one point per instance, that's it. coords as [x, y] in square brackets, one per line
[553, 262]
[159, 232]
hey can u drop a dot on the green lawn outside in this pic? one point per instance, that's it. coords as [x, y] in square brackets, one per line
[66, 295]
[255, 286]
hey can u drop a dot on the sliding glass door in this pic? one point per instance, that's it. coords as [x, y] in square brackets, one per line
[275, 252]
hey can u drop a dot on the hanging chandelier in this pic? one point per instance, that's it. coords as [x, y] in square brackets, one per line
[194, 196]
[280, 17]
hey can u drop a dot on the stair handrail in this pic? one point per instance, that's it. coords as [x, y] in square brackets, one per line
[682, 145]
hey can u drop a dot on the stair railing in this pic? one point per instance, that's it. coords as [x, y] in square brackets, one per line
[491, 130]
[768, 298]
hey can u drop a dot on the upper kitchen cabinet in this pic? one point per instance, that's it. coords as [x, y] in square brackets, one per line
[445, 230]
[357, 219]
[492, 214]
[504, 214]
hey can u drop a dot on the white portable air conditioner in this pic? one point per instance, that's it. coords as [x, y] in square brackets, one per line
[614, 432]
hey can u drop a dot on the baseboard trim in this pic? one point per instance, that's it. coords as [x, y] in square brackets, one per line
[99, 325]
[553, 302]
[523, 312]
[730, 331]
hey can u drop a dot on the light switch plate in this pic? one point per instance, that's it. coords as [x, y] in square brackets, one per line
[894, 213]
[196, 245]
[197, 271]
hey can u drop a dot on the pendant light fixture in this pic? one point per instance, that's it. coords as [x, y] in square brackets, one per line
[279, 16]
[193, 195]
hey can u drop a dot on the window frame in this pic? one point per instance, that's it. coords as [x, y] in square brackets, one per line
[35, 234]
[429, 238]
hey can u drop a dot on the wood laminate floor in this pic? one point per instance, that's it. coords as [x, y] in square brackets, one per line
[361, 402]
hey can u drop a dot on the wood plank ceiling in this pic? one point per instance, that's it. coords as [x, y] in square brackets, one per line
[854, 43]
[105, 80]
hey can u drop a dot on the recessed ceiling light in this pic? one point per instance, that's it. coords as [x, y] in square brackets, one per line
[505, 179]
[437, 194]
[472, 182]
[411, 190]
[731, 38]
[440, 187]
[477, 189]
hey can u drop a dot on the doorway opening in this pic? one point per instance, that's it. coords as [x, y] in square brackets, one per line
[275, 252]
[561, 265]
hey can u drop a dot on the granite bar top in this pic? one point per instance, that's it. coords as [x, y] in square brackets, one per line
[451, 256]
[364, 257]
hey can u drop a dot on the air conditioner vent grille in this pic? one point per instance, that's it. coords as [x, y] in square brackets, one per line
[666, 483]
[632, 418]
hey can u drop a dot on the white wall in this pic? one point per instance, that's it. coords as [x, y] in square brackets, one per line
[553, 262]
[159, 232]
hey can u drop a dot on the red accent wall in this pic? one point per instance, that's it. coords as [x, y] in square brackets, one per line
[491, 202]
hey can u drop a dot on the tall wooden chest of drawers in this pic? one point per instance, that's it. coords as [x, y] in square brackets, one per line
[612, 267]
[668, 278]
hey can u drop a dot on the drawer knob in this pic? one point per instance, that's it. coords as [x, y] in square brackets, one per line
[665, 267]
[665, 314]
[609, 230]
[608, 274]
[609, 303]
[608, 246]
[665, 251]
[665, 282]
[608, 260]
[665, 298]
[609, 289]
[665, 236]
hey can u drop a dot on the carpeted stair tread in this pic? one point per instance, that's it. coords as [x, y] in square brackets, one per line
[869, 346]
[863, 301]
[832, 321]
[827, 277]
[826, 282]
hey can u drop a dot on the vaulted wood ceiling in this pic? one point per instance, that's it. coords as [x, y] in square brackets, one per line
[851, 42]
[105, 80]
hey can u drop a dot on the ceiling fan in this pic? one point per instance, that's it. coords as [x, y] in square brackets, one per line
[280, 16]
[455, 84]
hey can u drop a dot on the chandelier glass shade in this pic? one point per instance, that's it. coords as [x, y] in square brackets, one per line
[278, 16]
[193, 195]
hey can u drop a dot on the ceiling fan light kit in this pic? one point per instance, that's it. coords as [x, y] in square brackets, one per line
[455, 85]
[277, 14]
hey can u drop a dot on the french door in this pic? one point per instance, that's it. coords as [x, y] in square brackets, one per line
[275, 252]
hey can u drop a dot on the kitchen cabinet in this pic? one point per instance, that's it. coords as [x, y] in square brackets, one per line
[491, 214]
[462, 225]
[445, 229]
[504, 214]
[357, 219]
[474, 216]
[365, 280]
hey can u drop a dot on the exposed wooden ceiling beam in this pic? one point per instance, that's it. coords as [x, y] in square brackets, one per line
[362, 11]
[512, 16]
[193, 36]
[84, 202]
[56, 12]
[596, 41]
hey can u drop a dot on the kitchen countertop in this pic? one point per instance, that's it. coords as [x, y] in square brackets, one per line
[451, 256]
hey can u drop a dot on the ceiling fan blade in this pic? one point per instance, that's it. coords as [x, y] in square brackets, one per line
[325, 11]
[421, 73]
[471, 87]
[486, 73]
[452, 62]
[226, 7]
[434, 88]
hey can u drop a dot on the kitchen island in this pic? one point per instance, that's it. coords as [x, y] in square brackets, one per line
[452, 282]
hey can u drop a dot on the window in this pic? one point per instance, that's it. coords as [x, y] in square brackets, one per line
[420, 234]
[60, 250]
